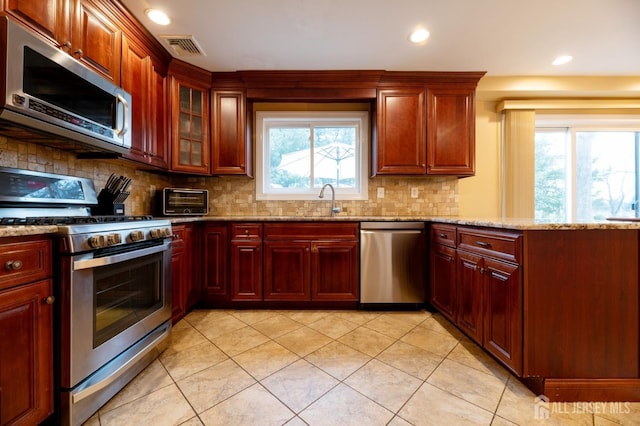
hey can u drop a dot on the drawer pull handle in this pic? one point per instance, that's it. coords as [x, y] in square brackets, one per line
[49, 300]
[13, 265]
[483, 244]
[443, 236]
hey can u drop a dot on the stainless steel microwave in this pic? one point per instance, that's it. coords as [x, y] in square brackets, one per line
[47, 91]
[184, 202]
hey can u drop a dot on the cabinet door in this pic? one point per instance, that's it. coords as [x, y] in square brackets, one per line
[135, 80]
[229, 148]
[334, 270]
[214, 261]
[147, 88]
[470, 295]
[26, 354]
[48, 17]
[286, 270]
[400, 148]
[156, 140]
[442, 281]
[246, 270]
[96, 40]
[179, 274]
[503, 312]
[451, 131]
[190, 145]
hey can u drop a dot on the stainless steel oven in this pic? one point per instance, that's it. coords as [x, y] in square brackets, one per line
[114, 310]
[112, 281]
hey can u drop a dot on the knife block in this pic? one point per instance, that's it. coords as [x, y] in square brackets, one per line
[107, 205]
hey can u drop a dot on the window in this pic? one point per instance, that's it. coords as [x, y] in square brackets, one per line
[586, 169]
[298, 152]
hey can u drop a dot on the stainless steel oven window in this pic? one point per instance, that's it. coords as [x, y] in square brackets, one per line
[124, 294]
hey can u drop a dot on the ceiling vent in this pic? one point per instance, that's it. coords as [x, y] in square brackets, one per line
[183, 45]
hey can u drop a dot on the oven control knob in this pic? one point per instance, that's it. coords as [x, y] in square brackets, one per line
[97, 241]
[155, 233]
[136, 235]
[166, 232]
[113, 239]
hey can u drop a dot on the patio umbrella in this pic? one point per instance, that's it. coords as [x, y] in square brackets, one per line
[334, 162]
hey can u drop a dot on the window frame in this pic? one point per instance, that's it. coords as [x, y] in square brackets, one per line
[264, 118]
[570, 125]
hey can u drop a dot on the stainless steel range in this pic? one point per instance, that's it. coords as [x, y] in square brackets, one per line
[113, 286]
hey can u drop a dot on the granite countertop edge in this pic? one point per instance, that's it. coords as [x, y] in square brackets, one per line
[499, 223]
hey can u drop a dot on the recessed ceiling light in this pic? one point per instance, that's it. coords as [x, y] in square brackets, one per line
[158, 16]
[561, 60]
[419, 36]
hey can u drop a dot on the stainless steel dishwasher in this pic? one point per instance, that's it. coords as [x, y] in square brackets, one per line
[392, 264]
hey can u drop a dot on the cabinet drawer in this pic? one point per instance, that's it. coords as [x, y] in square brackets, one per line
[311, 231]
[443, 234]
[500, 245]
[246, 231]
[24, 261]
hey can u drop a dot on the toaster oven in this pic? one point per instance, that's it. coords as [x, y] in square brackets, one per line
[183, 202]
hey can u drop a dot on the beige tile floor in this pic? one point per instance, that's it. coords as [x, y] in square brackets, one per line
[271, 367]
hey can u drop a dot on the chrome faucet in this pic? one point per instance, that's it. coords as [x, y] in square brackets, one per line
[334, 209]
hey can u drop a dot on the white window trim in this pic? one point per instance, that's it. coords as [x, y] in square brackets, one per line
[362, 153]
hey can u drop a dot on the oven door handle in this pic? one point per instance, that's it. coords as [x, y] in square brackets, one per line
[117, 258]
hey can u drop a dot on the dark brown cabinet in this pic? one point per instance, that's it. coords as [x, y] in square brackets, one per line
[425, 130]
[475, 281]
[26, 315]
[246, 261]
[443, 264]
[451, 131]
[230, 150]
[400, 147]
[490, 292]
[215, 257]
[143, 78]
[311, 261]
[185, 290]
[189, 102]
[82, 28]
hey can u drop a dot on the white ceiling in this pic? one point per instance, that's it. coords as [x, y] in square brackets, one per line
[502, 37]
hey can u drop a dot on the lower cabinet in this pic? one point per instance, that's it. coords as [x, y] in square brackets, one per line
[311, 261]
[246, 261]
[26, 317]
[476, 283]
[185, 291]
[214, 258]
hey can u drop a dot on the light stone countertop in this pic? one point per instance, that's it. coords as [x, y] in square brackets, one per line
[500, 223]
[493, 222]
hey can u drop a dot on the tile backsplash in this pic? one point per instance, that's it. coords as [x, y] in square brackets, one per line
[235, 195]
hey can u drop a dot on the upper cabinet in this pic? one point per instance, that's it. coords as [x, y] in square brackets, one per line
[451, 131]
[189, 110]
[401, 145]
[78, 27]
[425, 124]
[144, 78]
[230, 149]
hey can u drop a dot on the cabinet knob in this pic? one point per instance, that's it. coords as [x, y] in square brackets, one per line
[78, 52]
[13, 265]
[483, 244]
[443, 235]
[66, 44]
[49, 300]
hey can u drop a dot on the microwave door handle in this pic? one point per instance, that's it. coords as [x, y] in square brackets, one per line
[125, 125]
